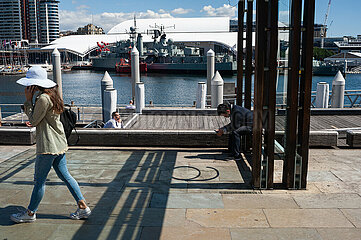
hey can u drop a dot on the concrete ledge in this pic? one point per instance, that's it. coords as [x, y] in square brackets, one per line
[353, 138]
[317, 138]
[328, 111]
[169, 138]
[18, 135]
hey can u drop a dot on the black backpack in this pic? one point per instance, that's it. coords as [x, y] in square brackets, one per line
[68, 118]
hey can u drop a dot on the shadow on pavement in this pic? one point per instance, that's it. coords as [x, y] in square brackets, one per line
[17, 167]
[136, 190]
[125, 209]
[6, 212]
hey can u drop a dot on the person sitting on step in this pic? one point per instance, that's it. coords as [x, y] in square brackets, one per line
[241, 124]
[115, 122]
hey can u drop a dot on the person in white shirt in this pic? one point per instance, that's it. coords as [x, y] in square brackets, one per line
[131, 105]
[115, 122]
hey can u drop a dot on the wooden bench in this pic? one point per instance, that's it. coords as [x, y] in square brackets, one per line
[317, 138]
[353, 138]
[155, 138]
[17, 135]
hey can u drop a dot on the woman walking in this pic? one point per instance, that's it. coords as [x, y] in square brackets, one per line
[51, 143]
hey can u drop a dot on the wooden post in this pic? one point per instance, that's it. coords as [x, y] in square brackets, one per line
[261, 17]
[305, 87]
[249, 54]
[272, 42]
[240, 52]
[249, 65]
[292, 95]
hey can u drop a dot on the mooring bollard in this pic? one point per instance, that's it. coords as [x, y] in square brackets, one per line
[106, 83]
[110, 103]
[55, 56]
[217, 90]
[322, 95]
[135, 69]
[139, 97]
[210, 69]
[140, 44]
[338, 91]
[201, 95]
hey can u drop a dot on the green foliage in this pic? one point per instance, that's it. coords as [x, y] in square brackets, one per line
[321, 54]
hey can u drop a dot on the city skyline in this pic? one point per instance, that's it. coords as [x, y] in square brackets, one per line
[342, 18]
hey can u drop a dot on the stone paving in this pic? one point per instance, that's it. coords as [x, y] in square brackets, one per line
[163, 193]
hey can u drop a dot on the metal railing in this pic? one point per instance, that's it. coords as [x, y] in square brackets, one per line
[7, 110]
[352, 100]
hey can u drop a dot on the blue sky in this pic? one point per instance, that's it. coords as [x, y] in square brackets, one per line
[344, 14]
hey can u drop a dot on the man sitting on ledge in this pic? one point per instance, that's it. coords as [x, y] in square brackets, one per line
[241, 124]
[115, 122]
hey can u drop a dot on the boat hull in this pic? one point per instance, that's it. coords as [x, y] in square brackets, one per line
[223, 68]
[326, 70]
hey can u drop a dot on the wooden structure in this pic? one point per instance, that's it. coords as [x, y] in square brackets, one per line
[297, 122]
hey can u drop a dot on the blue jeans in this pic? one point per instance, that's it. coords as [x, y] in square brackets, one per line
[42, 167]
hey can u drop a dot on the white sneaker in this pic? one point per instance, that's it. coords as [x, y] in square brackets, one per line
[81, 213]
[23, 217]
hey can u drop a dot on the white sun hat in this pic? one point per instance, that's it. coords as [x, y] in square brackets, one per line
[36, 76]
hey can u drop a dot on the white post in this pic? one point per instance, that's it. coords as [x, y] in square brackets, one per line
[338, 91]
[140, 44]
[135, 69]
[57, 70]
[110, 103]
[201, 95]
[322, 95]
[106, 83]
[139, 97]
[217, 90]
[210, 69]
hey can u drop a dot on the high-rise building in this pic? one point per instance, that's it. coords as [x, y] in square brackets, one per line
[34, 20]
[48, 20]
[10, 20]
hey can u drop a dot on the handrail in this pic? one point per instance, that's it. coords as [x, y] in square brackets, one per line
[352, 99]
[91, 124]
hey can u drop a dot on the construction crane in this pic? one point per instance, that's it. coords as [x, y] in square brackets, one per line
[324, 28]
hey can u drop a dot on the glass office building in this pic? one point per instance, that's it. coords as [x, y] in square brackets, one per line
[34, 20]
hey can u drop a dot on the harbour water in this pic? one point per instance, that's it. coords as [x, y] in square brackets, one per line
[83, 87]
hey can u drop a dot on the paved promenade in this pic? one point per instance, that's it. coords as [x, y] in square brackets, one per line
[163, 193]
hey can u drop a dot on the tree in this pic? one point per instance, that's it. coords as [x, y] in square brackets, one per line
[321, 54]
